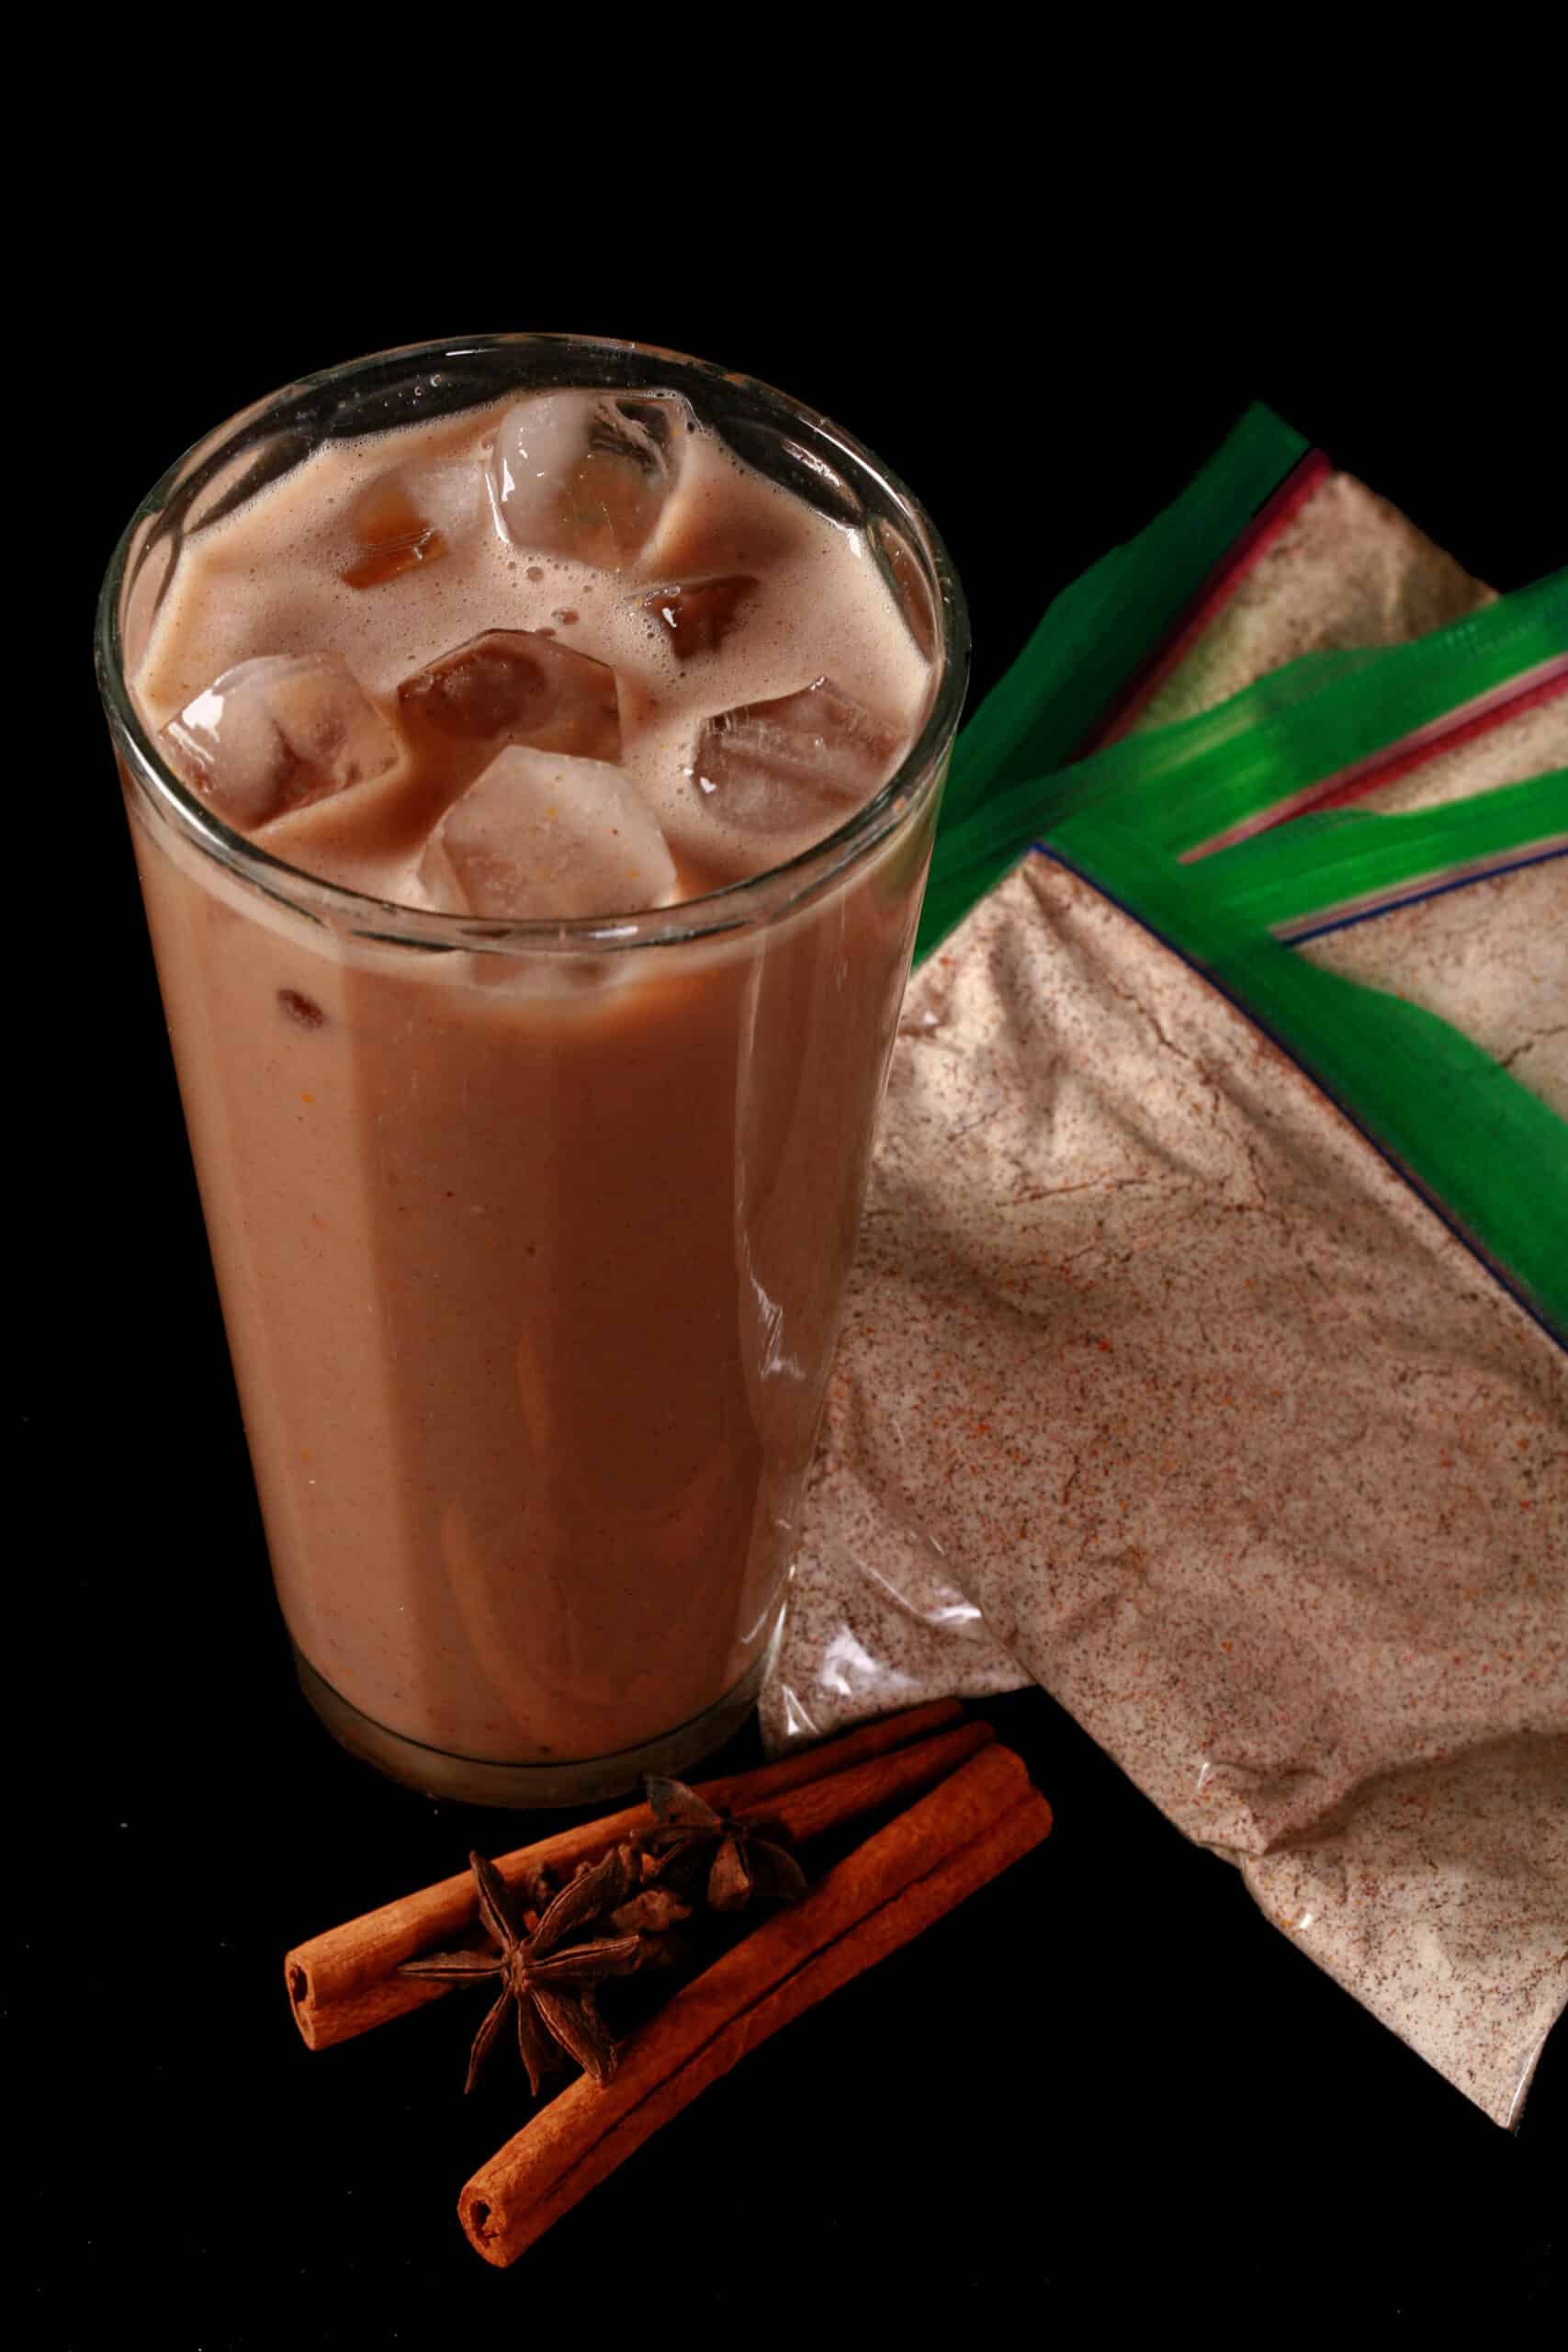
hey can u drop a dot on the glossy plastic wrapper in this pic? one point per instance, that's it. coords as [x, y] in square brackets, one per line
[1204, 1351]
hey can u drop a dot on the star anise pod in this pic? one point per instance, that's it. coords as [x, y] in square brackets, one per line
[657, 1916]
[691, 1843]
[652, 1913]
[547, 1980]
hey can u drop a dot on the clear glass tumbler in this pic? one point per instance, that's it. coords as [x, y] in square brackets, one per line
[532, 1238]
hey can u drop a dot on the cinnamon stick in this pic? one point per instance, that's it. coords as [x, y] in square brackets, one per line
[967, 1830]
[343, 1981]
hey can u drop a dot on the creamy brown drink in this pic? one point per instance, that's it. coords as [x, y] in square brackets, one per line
[532, 1168]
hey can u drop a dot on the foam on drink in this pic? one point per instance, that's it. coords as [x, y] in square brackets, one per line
[575, 572]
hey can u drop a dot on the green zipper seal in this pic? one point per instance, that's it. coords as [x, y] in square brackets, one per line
[1088, 647]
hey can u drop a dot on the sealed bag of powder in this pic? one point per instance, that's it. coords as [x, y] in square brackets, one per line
[1269, 554]
[1160, 1387]
[1152, 1361]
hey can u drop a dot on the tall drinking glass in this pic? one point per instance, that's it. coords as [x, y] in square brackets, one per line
[531, 1237]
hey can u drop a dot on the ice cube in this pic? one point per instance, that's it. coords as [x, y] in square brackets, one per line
[794, 767]
[518, 685]
[277, 732]
[696, 615]
[586, 474]
[410, 516]
[537, 835]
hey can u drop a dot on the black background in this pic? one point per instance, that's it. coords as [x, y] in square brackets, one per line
[1107, 2089]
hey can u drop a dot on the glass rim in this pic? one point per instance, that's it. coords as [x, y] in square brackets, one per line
[758, 899]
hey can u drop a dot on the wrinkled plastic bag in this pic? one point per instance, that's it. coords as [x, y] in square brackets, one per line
[1156, 1365]
[1160, 1384]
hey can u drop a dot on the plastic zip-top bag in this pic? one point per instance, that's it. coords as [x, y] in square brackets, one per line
[1162, 1386]
[1267, 554]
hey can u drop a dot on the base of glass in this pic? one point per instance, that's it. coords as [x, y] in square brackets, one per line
[472, 1780]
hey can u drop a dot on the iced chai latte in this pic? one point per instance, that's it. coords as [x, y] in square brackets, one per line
[533, 750]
